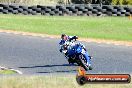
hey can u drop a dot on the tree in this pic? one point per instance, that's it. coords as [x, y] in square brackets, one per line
[122, 2]
[105, 2]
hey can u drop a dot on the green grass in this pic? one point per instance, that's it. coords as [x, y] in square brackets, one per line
[51, 82]
[115, 28]
[7, 72]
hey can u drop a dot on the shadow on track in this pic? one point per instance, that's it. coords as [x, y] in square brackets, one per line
[48, 66]
[69, 71]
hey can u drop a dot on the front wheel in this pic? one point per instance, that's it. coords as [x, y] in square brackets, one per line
[83, 62]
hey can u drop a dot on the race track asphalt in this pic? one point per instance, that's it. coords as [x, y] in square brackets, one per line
[40, 55]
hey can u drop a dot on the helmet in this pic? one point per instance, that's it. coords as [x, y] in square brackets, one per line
[62, 36]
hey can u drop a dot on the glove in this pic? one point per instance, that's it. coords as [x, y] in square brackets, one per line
[76, 37]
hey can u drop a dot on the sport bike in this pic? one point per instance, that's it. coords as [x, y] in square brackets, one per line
[78, 54]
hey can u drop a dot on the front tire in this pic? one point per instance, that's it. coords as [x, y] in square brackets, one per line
[83, 62]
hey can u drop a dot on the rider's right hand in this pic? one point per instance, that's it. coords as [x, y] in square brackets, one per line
[76, 37]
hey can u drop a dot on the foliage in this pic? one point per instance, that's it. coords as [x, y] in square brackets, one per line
[122, 2]
[115, 28]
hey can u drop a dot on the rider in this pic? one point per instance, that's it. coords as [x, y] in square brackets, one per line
[65, 39]
[64, 46]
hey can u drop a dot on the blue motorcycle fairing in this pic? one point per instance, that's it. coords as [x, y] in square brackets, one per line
[77, 49]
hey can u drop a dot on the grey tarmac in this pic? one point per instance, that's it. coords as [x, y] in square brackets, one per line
[40, 55]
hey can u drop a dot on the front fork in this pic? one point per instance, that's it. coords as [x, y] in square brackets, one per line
[86, 55]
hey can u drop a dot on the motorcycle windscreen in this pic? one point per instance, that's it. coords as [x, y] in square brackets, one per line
[76, 49]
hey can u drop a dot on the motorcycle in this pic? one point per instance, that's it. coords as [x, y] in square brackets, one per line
[78, 54]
